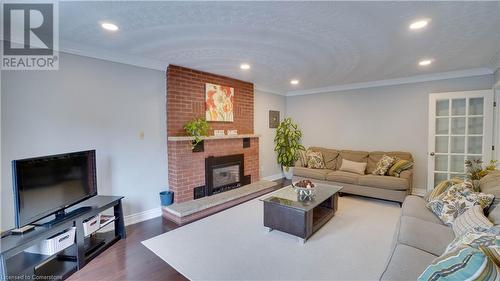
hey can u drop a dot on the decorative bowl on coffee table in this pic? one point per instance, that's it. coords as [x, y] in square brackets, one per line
[304, 192]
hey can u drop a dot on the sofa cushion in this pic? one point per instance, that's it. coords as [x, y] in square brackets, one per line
[414, 206]
[319, 174]
[399, 166]
[491, 184]
[315, 160]
[462, 263]
[353, 167]
[440, 188]
[406, 263]
[470, 220]
[344, 177]
[385, 182]
[329, 156]
[456, 200]
[375, 156]
[426, 236]
[352, 155]
[477, 238]
[302, 162]
[383, 165]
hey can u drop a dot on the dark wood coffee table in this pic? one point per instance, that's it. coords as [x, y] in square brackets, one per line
[284, 211]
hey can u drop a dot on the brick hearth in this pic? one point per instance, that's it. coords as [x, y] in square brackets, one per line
[185, 101]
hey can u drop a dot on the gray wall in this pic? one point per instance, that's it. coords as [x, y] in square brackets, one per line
[382, 118]
[263, 103]
[89, 104]
[97, 104]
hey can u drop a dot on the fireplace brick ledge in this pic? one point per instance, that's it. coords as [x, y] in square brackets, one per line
[187, 138]
[182, 213]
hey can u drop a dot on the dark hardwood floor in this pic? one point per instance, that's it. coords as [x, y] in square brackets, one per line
[128, 259]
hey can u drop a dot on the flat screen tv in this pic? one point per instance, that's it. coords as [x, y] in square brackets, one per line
[47, 185]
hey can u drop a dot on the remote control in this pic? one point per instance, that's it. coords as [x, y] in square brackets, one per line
[22, 230]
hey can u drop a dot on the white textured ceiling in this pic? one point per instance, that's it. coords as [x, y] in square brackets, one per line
[323, 44]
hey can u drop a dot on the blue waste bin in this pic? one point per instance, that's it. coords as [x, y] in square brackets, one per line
[166, 198]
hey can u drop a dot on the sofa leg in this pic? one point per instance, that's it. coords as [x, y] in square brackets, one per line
[400, 204]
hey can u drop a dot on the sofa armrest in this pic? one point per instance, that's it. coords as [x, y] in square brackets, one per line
[408, 174]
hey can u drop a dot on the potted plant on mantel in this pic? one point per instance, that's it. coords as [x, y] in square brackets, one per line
[197, 128]
[287, 145]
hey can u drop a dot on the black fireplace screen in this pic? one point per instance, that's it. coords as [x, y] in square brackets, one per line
[226, 175]
[223, 173]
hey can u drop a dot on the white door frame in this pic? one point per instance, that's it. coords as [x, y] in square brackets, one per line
[488, 129]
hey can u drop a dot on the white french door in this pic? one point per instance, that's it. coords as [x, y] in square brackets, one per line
[460, 128]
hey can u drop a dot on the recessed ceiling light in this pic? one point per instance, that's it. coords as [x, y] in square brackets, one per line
[245, 66]
[425, 62]
[419, 24]
[294, 82]
[109, 26]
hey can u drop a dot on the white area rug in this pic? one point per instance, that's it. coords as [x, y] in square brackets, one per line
[233, 245]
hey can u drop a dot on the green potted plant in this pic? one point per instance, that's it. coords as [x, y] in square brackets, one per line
[475, 170]
[197, 128]
[287, 145]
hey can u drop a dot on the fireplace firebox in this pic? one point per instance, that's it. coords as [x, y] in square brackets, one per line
[224, 173]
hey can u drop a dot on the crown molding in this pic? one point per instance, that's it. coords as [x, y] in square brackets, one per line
[75, 49]
[395, 81]
[497, 78]
[97, 53]
[258, 88]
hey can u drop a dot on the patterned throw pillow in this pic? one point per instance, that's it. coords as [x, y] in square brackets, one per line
[353, 167]
[456, 200]
[493, 253]
[303, 157]
[461, 263]
[440, 188]
[399, 166]
[470, 220]
[479, 237]
[315, 160]
[383, 165]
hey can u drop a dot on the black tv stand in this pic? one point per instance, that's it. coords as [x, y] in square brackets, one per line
[15, 263]
[63, 215]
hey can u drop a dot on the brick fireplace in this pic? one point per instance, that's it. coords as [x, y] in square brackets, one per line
[185, 101]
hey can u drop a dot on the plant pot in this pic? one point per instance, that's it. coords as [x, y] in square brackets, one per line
[200, 147]
[166, 198]
[288, 172]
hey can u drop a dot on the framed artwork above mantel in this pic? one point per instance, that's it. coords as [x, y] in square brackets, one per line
[219, 102]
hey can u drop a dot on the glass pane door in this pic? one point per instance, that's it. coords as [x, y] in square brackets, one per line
[458, 131]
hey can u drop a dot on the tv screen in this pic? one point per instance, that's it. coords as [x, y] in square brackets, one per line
[46, 185]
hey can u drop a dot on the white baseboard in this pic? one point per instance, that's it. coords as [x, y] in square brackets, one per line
[135, 218]
[142, 216]
[273, 177]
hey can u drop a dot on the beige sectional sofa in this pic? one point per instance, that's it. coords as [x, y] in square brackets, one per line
[421, 236]
[383, 187]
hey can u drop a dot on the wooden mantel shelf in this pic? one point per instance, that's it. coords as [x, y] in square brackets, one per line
[186, 138]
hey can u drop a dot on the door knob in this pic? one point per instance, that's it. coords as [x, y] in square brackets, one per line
[432, 153]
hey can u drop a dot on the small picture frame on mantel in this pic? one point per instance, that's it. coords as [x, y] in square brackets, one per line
[219, 133]
[274, 119]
